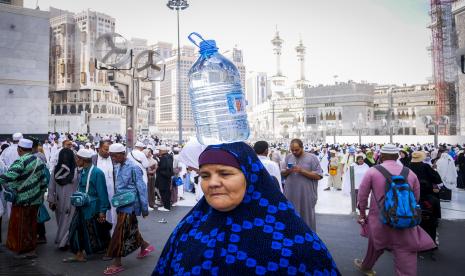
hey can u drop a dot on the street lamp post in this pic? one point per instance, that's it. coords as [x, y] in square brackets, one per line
[389, 117]
[178, 5]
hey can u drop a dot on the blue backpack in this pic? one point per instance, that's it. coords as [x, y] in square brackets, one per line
[400, 209]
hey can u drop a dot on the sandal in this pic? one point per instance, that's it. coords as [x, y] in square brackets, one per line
[144, 253]
[74, 260]
[113, 270]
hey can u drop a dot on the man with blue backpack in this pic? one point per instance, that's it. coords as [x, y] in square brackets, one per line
[393, 221]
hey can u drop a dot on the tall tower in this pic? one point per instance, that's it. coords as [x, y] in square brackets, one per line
[300, 49]
[277, 44]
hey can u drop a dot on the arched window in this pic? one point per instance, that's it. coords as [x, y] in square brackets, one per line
[52, 110]
[72, 109]
[88, 108]
[103, 109]
[65, 109]
[340, 116]
[80, 108]
[95, 109]
[58, 110]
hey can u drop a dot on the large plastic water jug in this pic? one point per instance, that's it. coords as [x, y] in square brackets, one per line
[217, 99]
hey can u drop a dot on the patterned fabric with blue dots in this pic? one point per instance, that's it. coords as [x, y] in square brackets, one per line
[262, 236]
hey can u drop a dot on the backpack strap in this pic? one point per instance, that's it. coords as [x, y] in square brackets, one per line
[387, 175]
[404, 173]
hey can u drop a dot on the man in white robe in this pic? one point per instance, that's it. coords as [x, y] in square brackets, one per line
[446, 169]
[103, 161]
[140, 159]
[10, 154]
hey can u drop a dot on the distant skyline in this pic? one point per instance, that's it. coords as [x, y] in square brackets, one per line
[379, 41]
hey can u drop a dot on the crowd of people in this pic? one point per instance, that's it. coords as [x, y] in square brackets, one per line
[98, 188]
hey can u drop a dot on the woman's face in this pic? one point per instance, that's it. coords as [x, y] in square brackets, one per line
[224, 186]
[360, 160]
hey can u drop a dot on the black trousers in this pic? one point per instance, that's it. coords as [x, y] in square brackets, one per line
[41, 230]
[166, 198]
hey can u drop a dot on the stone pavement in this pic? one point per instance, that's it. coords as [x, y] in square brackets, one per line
[340, 233]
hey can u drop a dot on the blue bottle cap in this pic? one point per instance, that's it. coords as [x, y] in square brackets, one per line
[208, 46]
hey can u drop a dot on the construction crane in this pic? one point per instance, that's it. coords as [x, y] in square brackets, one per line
[445, 92]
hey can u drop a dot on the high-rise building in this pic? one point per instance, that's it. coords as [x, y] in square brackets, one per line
[256, 89]
[166, 93]
[24, 67]
[82, 98]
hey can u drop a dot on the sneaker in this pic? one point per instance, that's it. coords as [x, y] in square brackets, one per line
[339, 189]
[327, 189]
[174, 204]
[151, 209]
[163, 209]
[367, 272]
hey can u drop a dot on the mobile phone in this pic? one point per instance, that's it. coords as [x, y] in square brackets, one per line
[290, 165]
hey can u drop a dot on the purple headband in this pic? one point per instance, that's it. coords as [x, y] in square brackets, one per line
[218, 156]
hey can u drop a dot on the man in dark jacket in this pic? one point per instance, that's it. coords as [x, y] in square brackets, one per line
[163, 180]
[429, 193]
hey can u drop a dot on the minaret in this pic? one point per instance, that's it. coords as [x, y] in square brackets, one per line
[277, 44]
[300, 49]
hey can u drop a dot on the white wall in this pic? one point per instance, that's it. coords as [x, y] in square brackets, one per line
[24, 59]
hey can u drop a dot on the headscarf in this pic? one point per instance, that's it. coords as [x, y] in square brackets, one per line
[369, 157]
[263, 234]
[64, 170]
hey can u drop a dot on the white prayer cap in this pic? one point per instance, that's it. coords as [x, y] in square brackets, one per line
[25, 143]
[176, 149]
[139, 145]
[163, 147]
[84, 153]
[17, 136]
[88, 144]
[389, 149]
[117, 148]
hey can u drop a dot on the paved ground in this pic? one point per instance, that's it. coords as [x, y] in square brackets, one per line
[340, 232]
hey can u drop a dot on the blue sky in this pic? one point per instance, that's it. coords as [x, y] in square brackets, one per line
[381, 41]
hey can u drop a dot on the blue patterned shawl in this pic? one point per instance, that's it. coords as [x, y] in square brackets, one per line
[263, 235]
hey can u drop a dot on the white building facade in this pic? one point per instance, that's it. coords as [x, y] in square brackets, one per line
[24, 69]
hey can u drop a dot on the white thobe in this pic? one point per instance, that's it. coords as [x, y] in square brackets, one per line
[9, 155]
[142, 162]
[106, 165]
[272, 169]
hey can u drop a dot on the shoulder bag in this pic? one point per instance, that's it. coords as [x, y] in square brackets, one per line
[80, 199]
[125, 198]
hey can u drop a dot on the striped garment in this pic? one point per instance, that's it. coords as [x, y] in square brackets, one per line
[30, 190]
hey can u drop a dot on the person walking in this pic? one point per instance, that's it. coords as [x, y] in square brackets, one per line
[429, 193]
[335, 168]
[460, 163]
[404, 243]
[25, 182]
[163, 178]
[126, 237]
[301, 186]
[63, 183]
[89, 231]
[261, 149]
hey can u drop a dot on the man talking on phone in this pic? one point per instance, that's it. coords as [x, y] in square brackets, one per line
[301, 185]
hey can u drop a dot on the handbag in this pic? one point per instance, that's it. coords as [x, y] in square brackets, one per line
[80, 199]
[42, 214]
[10, 193]
[120, 199]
